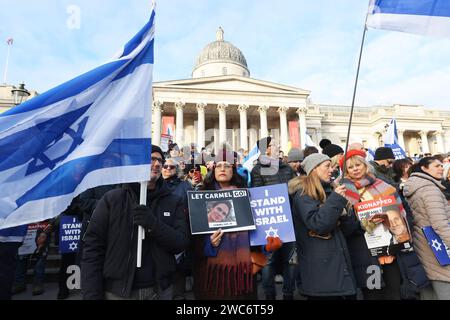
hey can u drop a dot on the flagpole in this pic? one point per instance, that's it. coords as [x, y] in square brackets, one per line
[142, 201]
[7, 63]
[354, 93]
[141, 231]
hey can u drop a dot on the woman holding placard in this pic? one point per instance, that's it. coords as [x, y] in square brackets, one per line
[392, 276]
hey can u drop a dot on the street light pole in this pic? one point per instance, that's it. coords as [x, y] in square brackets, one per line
[19, 94]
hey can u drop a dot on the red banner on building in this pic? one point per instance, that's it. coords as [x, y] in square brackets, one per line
[168, 126]
[294, 134]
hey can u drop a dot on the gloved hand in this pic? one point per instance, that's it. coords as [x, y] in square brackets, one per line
[368, 225]
[142, 216]
[273, 244]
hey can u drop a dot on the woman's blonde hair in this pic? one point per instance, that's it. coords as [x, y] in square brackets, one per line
[311, 186]
[357, 159]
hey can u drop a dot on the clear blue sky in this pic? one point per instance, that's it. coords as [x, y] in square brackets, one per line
[313, 45]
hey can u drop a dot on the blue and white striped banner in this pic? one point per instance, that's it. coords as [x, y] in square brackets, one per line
[92, 130]
[427, 17]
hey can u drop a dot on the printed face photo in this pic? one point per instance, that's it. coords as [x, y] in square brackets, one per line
[220, 213]
[397, 226]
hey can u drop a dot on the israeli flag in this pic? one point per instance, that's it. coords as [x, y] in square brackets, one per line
[309, 142]
[253, 155]
[439, 248]
[391, 141]
[426, 17]
[370, 155]
[92, 130]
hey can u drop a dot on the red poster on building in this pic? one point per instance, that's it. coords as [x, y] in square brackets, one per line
[294, 134]
[168, 126]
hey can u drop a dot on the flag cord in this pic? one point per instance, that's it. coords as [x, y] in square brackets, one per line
[353, 100]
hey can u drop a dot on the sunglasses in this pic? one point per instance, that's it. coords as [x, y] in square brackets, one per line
[169, 166]
[193, 170]
[160, 160]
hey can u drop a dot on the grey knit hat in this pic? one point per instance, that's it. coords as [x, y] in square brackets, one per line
[313, 160]
[295, 154]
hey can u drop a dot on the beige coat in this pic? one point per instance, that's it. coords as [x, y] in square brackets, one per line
[429, 208]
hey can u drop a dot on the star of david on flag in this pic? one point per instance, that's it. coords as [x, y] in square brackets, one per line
[92, 130]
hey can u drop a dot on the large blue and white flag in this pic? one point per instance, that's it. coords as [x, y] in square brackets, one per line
[391, 141]
[427, 17]
[309, 142]
[92, 130]
[252, 156]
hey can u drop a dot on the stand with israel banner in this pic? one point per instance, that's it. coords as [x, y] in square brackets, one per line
[69, 233]
[391, 141]
[272, 213]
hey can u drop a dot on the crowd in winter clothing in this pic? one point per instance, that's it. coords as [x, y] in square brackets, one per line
[329, 260]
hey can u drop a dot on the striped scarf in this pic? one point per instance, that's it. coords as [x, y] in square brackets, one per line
[230, 272]
[375, 187]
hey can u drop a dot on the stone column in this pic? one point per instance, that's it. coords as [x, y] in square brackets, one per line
[222, 108]
[424, 138]
[201, 125]
[283, 128]
[302, 125]
[440, 142]
[401, 139]
[263, 121]
[157, 110]
[243, 129]
[179, 130]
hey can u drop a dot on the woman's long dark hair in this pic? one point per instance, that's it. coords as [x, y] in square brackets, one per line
[424, 162]
[399, 168]
[210, 182]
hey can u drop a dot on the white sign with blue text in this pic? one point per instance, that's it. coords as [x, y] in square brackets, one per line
[272, 213]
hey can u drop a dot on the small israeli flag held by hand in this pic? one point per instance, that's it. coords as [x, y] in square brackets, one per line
[439, 248]
[92, 130]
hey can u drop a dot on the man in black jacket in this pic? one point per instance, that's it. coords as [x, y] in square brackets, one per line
[269, 170]
[110, 248]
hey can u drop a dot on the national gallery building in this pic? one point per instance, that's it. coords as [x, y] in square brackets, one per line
[221, 102]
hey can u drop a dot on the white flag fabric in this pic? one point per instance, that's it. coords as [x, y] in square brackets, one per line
[426, 17]
[252, 156]
[92, 130]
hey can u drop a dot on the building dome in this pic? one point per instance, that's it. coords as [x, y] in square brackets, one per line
[220, 58]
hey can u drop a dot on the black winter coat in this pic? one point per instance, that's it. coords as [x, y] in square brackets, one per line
[325, 267]
[270, 174]
[109, 258]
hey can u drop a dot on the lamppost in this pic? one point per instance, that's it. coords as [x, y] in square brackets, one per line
[20, 94]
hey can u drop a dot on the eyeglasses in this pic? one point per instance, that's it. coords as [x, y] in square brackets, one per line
[193, 170]
[224, 166]
[160, 160]
[169, 166]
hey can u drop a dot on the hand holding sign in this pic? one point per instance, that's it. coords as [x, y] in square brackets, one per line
[216, 237]
[273, 244]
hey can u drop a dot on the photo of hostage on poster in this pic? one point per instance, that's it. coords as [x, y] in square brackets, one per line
[228, 210]
[387, 222]
[272, 213]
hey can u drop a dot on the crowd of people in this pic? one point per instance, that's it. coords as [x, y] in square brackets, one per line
[329, 260]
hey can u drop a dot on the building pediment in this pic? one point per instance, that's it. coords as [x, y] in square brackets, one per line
[230, 83]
